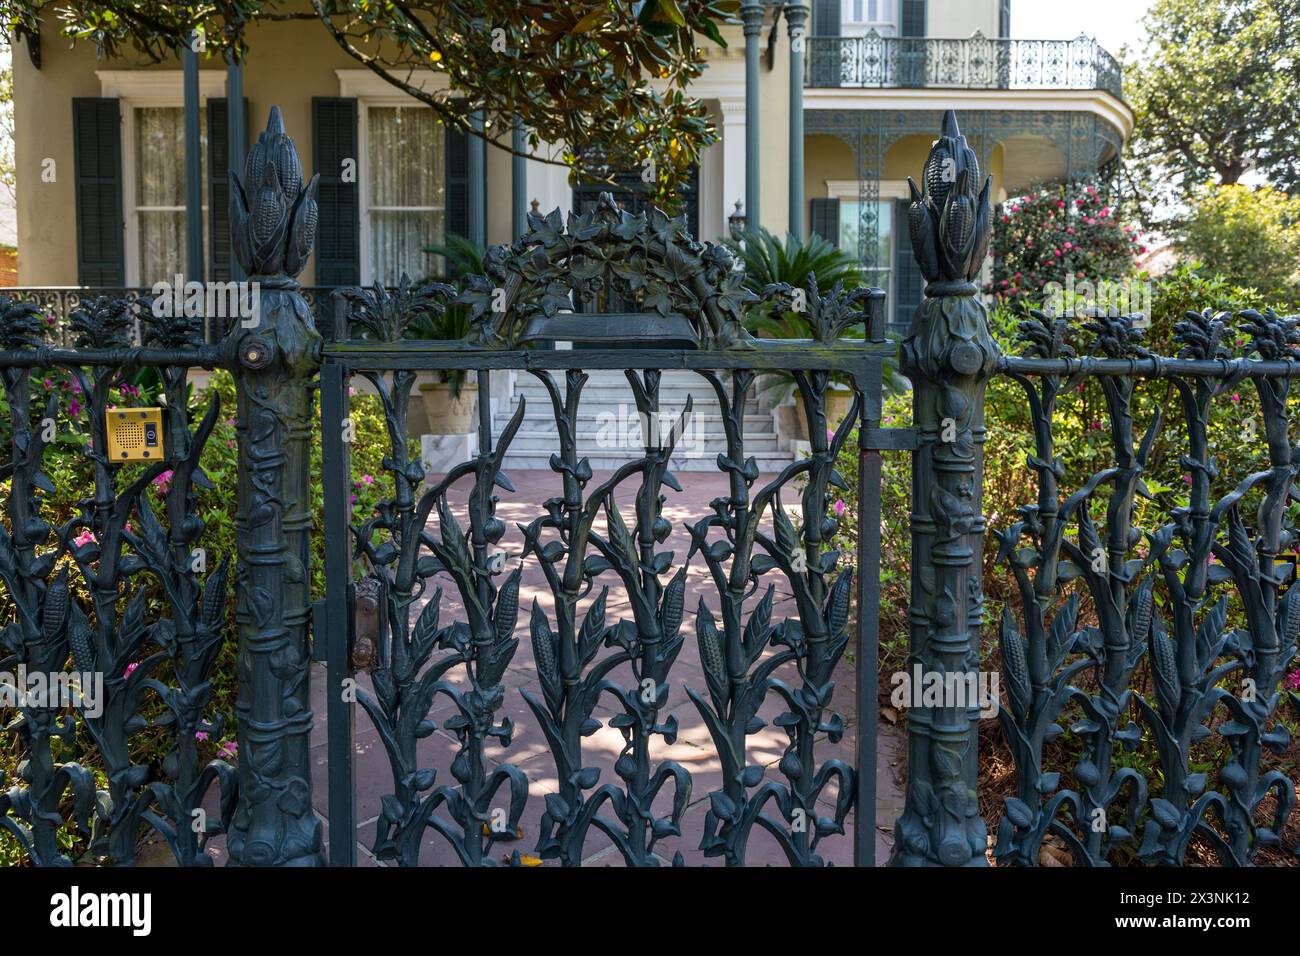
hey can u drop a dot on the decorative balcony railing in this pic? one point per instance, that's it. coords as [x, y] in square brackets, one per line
[977, 62]
[58, 302]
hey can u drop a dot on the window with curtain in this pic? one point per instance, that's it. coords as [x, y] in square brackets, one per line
[406, 210]
[159, 206]
[851, 225]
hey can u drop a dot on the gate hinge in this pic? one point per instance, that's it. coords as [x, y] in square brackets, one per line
[319, 643]
[891, 439]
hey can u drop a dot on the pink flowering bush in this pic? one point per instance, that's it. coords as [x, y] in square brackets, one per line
[1055, 233]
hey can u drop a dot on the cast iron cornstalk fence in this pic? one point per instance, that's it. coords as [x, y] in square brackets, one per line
[117, 590]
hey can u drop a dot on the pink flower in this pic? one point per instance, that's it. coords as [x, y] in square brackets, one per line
[1293, 679]
[86, 537]
[163, 481]
[200, 735]
[840, 507]
[228, 749]
[1236, 398]
[130, 668]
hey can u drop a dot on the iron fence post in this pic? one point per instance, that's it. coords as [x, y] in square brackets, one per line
[274, 354]
[949, 355]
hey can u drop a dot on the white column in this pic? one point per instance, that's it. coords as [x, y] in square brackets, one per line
[733, 160]
[549, 183]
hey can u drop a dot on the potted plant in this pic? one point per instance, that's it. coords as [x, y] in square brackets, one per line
[449, 400]
[769, 261]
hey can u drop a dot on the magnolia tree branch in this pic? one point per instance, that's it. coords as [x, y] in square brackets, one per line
[606, 83]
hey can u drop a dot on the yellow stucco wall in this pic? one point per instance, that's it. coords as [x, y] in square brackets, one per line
[287, 65]
[829, 158]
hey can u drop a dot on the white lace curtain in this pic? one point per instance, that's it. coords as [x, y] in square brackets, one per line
[160, 189]
[407, 192]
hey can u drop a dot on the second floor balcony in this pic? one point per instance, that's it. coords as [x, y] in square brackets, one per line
[977, 62]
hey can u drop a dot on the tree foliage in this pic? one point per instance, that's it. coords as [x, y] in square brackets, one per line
[1214, 93]
[1249, 235]
[607, 80]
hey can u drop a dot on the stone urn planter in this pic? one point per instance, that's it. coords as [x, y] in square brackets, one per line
[793, 422]
[448, 414]
[838, 401]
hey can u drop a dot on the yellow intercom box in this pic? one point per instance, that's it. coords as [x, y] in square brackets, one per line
[135, 434]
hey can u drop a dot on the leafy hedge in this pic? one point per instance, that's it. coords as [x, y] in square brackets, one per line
[71, 475]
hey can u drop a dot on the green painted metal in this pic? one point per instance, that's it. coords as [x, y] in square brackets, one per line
[477, 175]
[194, 259]
[949, 356]
[1163, 595]
[274, 356]
[752, 13]
[518, 180]
[697, 287]
[796, 17]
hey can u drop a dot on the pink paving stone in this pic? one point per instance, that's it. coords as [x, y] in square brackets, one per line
[528, 749]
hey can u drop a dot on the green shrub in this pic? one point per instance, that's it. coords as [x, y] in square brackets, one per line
[1249, 235]
[72, 477]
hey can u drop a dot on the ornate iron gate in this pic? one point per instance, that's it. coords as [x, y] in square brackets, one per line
[127, 591]
[693, 301]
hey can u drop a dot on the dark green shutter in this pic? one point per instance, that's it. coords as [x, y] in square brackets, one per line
[824, 219]
[338, 235]
[826, 18]
[219, 268]
[97, 156]
[913, 18]
[909, 284]
[456, 180]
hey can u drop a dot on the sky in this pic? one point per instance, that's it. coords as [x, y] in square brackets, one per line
[1113, 22]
